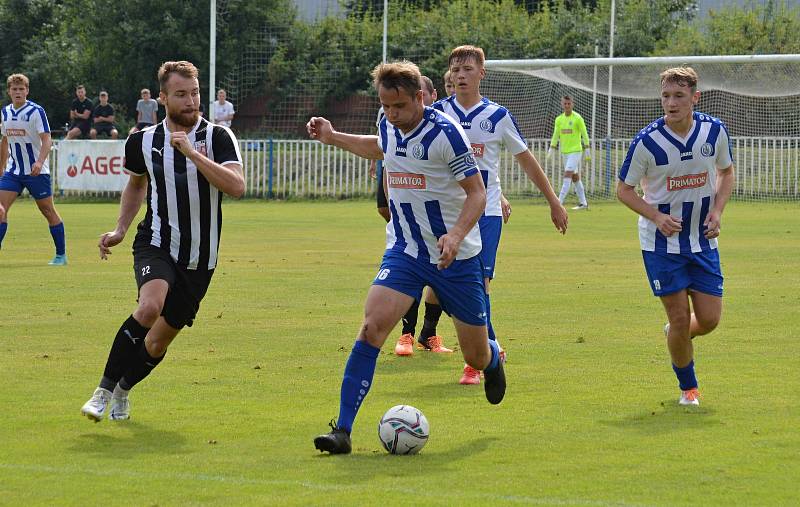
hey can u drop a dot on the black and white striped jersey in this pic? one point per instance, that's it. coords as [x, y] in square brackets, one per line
[184, 211]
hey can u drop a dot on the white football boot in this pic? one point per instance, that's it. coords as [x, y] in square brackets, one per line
[120, 408]
[96, 407]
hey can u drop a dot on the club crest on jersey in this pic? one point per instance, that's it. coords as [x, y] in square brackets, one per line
[707, 150]
[470, 159]
[477, 149]
[200, 146]
[407, 180]
[418, 151]
[675, 183]
[486, 125]
[15, 132]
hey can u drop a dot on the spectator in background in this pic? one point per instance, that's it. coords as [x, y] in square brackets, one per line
[146, 108]
[223, 110]
[103, 119]
[449, 87]
[80, 114]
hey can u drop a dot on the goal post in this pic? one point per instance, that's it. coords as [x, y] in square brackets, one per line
[757, 96]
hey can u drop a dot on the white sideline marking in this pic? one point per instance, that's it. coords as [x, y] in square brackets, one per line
[68, 470]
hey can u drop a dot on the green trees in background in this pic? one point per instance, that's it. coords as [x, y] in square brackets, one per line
[118, 47]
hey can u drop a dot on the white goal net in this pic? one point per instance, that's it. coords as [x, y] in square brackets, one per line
[758, 98]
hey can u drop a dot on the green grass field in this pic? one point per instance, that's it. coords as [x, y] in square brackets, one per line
[590, 417]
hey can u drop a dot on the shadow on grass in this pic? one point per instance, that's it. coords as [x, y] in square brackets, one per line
[667, 417]
[367, 464]
[129, 438]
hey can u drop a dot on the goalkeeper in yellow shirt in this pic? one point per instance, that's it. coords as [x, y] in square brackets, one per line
[569, 134]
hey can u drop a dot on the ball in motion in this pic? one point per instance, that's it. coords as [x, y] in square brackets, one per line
[403, 430]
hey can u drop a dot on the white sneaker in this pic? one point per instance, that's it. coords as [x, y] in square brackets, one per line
[120, 409]
[581, 206]
[96, 407]
[690, 397]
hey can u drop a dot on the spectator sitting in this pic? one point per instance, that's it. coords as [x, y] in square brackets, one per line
[223, 110]
[79, 114]
[145, 112]
[103, 117]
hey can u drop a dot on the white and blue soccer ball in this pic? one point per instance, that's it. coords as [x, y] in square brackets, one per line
[403, 430]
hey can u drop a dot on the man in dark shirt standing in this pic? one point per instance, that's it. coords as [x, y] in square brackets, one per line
[79, 114]
[103, 118]
[182, 166]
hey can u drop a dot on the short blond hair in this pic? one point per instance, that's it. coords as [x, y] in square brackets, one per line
[182, 68]
[17, 79]
[447, 78]
[464, 53]
[682, 76]
[400, 75]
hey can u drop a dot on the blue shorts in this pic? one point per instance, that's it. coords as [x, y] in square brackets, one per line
[38, 186]
[491, 228]
[459, 287]
[668, 273]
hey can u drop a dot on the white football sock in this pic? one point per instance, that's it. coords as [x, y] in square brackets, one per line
[564, 189]
[581, 193]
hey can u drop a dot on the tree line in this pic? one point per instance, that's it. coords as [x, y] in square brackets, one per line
[264, 49]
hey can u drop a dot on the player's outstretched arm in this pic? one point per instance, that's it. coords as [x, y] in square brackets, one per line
[473, 208]
[364, 146]
[725, 182]
[667, 224]
[558, 214]
[227, 177]
[129, 204]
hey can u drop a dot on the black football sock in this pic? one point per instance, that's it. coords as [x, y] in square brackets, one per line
[410, 319]
[140, 368]
[432, 314]
[129, 339]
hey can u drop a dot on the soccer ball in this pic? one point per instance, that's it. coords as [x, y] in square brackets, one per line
[403, 430]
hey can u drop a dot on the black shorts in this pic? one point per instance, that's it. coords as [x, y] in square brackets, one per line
[83, 125]
[104, 128]
[187, 287]
[143, 125]
[380, 195]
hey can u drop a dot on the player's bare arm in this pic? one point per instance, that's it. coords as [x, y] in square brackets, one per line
[531, 166]
[44, 152]
[3, 153]
[364, 146]
[229, 178]
[725, 182]
[129, 204]
[667, 224]
[474, 205]
[505, 208]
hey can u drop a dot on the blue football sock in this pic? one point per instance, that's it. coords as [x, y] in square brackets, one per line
[686, 377]
[489, 326]
[3, 229]
[57, 231]
[495, 361]
[356, 382]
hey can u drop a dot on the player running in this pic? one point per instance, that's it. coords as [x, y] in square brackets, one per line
[684, 163]
[489, 126]
[436, 197]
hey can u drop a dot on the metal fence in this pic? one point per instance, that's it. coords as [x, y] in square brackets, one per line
[767, 169]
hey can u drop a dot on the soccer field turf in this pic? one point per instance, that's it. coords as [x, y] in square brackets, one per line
[590, 417]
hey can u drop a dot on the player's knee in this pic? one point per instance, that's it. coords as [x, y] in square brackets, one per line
[707, 323]
[148, 312]
[680, 323]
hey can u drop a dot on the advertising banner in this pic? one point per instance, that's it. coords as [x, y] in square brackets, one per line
[91, 165]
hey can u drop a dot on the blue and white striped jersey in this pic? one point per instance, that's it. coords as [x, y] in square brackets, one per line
[22, 128]
[679, 176]
[488, 125]
[423, 170]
